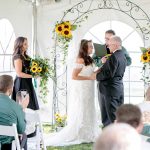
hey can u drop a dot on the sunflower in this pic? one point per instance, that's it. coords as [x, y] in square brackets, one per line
[34, 64]
[59, 120]
[57, 115]
[59, 28]
[148, 58]
[148, 49]
[66, 33]
[148, 53]
[34, 69]
[39, 69]
[67, 25]
[144, 58]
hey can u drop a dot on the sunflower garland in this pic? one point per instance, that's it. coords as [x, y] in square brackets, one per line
[65, 29]
[63, 32]
[145, 59]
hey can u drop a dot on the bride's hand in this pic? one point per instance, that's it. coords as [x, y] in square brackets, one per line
[93, 76]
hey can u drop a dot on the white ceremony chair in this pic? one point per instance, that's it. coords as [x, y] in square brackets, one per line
[38, 138]
[11, 131]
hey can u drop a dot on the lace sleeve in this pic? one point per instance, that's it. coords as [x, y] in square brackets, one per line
[78, 66]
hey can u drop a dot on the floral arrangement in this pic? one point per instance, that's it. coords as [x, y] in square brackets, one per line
[145, 59]
[64, 29]
[60, 120]
[63, 32]
[40, 67]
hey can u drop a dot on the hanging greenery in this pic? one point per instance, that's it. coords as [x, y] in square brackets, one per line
[40, 67]
[145, 59]
[64, 35]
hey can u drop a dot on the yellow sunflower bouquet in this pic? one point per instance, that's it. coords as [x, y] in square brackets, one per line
[63, 32]
[65, 29]
[60, 120]
[40, 67]
[145, 59]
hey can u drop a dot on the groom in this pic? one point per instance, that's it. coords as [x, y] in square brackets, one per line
[110, 84]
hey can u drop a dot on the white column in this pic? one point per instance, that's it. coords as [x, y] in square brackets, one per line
[34, 27]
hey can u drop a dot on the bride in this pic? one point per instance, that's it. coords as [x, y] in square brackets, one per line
[82, 126]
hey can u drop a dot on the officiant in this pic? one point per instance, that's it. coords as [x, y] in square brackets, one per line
[98, 59]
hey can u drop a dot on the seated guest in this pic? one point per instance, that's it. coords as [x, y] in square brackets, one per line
[145, 107]
[118, 137]
[132, 115]
[11, 112]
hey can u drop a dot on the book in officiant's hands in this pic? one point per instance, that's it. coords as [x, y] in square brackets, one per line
[100, 50]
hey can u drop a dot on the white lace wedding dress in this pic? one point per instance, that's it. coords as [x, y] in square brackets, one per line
[82, 126]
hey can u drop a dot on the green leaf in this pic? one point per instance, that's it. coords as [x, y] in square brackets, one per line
[73, 27]
[143, 49]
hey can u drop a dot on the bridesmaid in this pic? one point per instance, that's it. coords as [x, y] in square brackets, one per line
[23, 81]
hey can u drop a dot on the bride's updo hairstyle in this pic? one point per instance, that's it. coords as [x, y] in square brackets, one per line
[83, 52]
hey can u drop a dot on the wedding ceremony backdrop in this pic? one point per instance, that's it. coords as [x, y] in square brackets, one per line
[39, 21]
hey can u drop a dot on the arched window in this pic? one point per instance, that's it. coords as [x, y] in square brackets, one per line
[7, 37]
[133, 85]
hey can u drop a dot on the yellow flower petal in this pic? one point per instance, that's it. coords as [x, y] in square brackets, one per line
[67, 25]
[59, 28]
[144, 58]
[66, 33]
[34, 64]
[39, 69]
[34, 69]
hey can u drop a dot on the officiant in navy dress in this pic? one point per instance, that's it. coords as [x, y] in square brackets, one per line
[110, 84]
[108, 35]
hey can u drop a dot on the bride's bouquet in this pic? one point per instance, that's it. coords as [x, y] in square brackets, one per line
[40, 67]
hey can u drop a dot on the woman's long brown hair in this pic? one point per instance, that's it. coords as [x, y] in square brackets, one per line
[83, 52]
[18, 45]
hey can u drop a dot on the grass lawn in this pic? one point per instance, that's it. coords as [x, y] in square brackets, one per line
[74, 147]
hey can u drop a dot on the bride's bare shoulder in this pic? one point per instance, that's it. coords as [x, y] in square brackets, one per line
[80, 60]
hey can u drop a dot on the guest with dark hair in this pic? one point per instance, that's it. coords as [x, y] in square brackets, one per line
[23, 81]
[132, 115]
[11, 112]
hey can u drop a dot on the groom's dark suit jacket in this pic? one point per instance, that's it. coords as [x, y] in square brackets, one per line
[111, 91]
[111, 75]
